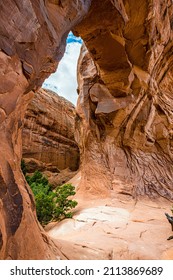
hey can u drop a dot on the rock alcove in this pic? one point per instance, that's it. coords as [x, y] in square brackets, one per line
[124, 112]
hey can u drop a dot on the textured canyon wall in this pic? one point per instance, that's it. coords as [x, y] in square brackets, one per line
[48, 132]
[125, 119]
[32, 41]
[124, 110]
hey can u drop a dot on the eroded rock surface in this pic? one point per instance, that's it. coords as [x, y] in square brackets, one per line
[116, 230]
[32, 41]
[125, 120]
[48, 133]
[124, 124]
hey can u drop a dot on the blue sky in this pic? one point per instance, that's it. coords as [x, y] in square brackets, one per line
[64, 80]
[71, 39]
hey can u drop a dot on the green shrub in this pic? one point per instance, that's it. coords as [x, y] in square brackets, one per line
[51, 205]
[63, 204]
[39, 184]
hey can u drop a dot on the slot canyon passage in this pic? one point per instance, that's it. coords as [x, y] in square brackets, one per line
[123, 126]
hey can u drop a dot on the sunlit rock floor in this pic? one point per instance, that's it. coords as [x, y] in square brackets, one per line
[115, 229]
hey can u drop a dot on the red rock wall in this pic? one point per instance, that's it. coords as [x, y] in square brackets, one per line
[48, 132]
[32, 41]
[124, 109]
[124, 126]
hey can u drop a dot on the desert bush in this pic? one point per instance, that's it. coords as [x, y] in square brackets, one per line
[51, 205]
[62, 201]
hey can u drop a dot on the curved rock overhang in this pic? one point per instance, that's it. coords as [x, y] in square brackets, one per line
[125, 101]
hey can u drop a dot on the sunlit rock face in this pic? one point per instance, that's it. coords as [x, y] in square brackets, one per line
[48, 132]
[124, 114]
[124, 125]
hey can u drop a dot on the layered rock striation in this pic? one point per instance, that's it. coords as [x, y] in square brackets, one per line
[48, 132]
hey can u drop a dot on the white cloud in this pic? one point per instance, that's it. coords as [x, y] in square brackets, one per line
[64, 80]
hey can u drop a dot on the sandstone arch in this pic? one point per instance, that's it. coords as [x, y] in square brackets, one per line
[125, 109]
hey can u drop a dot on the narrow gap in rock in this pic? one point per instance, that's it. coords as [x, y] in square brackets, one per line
[49, 145]
[64, 80]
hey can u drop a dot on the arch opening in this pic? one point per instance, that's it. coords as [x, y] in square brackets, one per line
[123, 124]
[64, 80]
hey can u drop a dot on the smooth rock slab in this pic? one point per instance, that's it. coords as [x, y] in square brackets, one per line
[129, 231]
